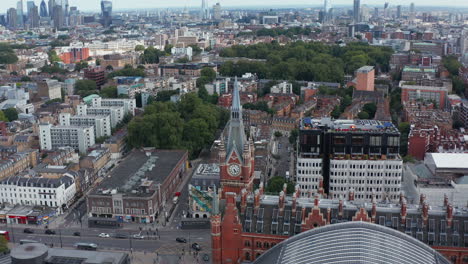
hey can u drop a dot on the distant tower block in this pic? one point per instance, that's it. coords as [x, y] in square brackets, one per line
[365, 78]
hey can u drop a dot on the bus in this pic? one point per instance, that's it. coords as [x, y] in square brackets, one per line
[27, 241]
[86, 246]
[5, 234]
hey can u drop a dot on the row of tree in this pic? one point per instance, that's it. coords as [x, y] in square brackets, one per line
[7, 54]
[311, 61]
[190, 124]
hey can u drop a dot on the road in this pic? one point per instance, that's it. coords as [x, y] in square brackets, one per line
[282, 164]
[164, 243]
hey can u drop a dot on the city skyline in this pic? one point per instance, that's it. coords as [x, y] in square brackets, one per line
[137, 4]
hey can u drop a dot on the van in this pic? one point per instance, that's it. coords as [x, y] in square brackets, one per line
[86, 246]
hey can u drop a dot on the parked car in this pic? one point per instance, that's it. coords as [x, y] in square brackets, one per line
[49, 232]
[206, 257]
[28, 231]
[104, 235]
[196, 246]
[76, 234]
[181, 240]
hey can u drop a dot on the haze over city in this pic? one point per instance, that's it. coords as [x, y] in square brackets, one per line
[233, 132]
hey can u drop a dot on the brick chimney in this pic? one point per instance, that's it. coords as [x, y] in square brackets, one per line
[256, 201]
[321, 190]
[294, 204]
[281, 203]
[303, 215]
[340, 207]
[449, 215]
[261, 188]
[425, 213]
[351, 194]
[401, 197]
[297, 189]
[328, 215]
[243, 200]
[403, 211]
[316, 201]
[374, 211]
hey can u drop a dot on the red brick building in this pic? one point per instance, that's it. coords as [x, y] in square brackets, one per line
[96, 74]
[74, 55]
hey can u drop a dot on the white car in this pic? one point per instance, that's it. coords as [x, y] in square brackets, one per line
[138, 236]
[104, 235]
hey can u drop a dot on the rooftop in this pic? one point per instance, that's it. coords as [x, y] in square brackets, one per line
[140, 168]
[344, 125]
[450, 160]
[365, 69]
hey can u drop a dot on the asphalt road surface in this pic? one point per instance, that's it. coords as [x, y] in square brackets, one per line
[164, 243]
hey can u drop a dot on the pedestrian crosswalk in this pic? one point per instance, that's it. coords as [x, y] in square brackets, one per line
[180, 248]
[5, 259]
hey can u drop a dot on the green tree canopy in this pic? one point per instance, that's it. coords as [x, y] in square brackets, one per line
[275, 185]
[363, 115]
[370, 108]
[86, 87]
[109, 92]
[11, 114]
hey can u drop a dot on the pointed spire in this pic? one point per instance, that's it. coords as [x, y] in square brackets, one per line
[236, 104]
[236, 138]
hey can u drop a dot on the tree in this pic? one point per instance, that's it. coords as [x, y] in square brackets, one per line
[336, 112]
[182, 60]
[86, 87]
[53, 57]
[293, 136]
[109, 68]
[26, 79]
[139, 48]
[370, 108]
[164, 96]
[404, 128]
[278, 134]
[11, 114]
[3, 245]
[363, 115]
[168, 48]
[209, 73]
[109, 92]
[275, 185]
[81, 65]
[452, 64]
[3, 117]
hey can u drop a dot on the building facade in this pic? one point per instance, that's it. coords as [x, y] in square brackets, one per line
[101, 124]
[53, 137]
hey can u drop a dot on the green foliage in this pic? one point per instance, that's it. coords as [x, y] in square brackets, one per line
[209, 73]
[336, 112]
[164, 96]
[363, 115]
[370, 108]
[56, 100]
[404, 129]
[63, 37]
[58, 43]
[275, 185]
[53, 69]
[128, 70]
[260, 105]
[195, 49]
[109, 32]
[139, 48]
[182, 60]
[109, 92]
[278, 134]
[81, 65]
[167, 49]
[312, 61]
[459, 86]
[86, 87]
[11, 114]
[408, 158]
[7, 54]
[3, 116]
[151, 55]
[26, 79]
[3, 245]
[452, 64]
[53, 57]
[293, 136]
[189, 124]
[109, 68]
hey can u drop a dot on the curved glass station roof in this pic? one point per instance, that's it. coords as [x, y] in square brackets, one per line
[352, 242]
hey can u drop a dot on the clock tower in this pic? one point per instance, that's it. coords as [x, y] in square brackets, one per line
[236, 155]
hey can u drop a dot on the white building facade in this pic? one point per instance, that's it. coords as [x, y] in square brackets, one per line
[101, 124]
[51, 192]
[53, 137]
[308, 175]
[129, 105]
[116, 113]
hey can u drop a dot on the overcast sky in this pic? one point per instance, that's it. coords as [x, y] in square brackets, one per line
[121, 4]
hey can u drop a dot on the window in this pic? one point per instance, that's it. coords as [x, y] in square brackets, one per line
[375, 141]
[393, 141]
[339, 140]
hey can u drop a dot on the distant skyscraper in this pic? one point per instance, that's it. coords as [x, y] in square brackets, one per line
[412, 15]
[106, 12]
[217, 11]
[29, 5]
[327, 11]
[356, 11]
[376, 12]
[57, 16]
[51, 4]
[33, 17]
[12, 17]
[398, 11]
[386, 10]
[205, 12]
[19, 13]
[43, 12]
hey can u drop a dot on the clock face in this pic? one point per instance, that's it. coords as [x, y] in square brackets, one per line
[234, 170]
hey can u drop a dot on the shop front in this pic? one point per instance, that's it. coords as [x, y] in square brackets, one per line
[17, 219]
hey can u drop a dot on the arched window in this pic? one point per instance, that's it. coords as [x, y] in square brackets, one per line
[247, 243]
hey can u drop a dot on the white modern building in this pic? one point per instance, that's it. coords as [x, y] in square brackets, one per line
[116, 113]
[308, 175]
[365, 177]
[188, 52]
[28, 190]
[283, 87]
[101, 123]
[129, 105]
[53, 137]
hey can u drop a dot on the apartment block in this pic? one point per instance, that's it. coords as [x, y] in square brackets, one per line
[365, 78]
[116, 113]
[101, 123]
[343, 156]
[53, 137]
[128, 105]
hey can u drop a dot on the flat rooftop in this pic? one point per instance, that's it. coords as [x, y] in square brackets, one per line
[140, 168]
[345, 125]
[365, 69]
[450, 160]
